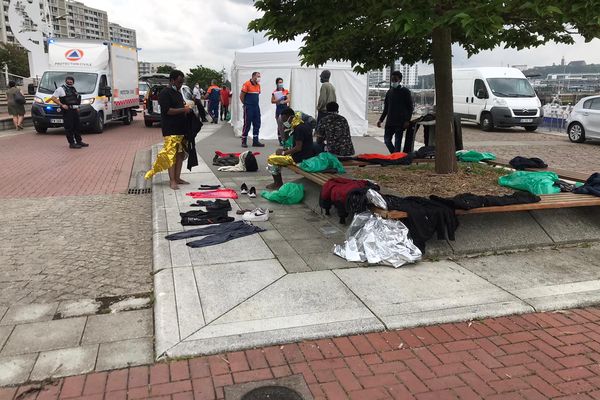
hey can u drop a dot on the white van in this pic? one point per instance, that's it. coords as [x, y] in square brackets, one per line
[495, 97]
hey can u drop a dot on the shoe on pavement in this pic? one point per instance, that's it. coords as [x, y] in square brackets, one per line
[257, 144]
[75, 146]
[256, 215]
[244, 189]
[244, 145]
[83, 144]
[252, 192]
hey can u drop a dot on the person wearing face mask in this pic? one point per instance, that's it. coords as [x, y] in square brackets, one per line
[397, 112]
[173, 111]
[281, 98]
[299, 144]
[69, 101]
[326, 95]
[249, 98]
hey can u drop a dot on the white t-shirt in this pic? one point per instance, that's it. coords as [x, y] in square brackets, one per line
[197, 93]
[59, 92]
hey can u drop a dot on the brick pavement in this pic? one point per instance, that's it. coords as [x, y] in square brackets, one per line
[535, 356]
[36, 165]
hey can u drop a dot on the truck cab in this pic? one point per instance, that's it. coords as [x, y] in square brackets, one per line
[495, 97]
[105, 76]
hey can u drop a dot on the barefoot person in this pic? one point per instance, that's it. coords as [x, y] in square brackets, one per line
[173, 110]
[16, 106]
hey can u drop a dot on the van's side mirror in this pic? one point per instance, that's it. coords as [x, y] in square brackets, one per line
[107, 91]
[481, 94]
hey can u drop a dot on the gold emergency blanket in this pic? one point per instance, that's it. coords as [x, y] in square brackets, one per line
[280, 160]
[166, 156]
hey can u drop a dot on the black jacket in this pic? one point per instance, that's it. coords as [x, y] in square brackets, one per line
[398, 107]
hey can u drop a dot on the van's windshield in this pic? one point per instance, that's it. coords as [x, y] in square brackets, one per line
[511, 87]
[85, 83]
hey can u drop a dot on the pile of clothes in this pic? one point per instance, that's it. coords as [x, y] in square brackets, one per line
[236, 162]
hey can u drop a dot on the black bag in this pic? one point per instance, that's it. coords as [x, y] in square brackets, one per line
[250, 162]
[19, 98]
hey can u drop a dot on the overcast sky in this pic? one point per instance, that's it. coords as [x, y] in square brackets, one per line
[207, 32]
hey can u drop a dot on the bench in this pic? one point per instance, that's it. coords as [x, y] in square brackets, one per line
[562, 173]
[549, 201]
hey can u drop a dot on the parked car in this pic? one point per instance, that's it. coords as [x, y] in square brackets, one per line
[584, 121]
[143, 89]
[152, 108]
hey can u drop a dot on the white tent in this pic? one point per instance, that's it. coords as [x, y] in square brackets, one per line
[281, 60]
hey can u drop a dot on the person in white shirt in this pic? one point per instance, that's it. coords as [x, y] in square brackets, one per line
[197, 92]
[69, 100]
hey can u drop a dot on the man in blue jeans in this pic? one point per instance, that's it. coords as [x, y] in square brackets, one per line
[249, 98]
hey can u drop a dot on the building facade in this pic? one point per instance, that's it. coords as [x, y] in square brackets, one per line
[73, 19]
[381, 77]
[145, 67]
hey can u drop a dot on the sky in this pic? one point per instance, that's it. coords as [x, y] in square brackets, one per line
[207, 32]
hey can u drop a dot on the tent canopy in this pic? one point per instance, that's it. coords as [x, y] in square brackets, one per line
[281, 60]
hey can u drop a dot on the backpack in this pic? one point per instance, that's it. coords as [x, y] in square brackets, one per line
[19, 98]
[250, 162]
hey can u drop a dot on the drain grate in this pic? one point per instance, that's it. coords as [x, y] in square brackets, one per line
[272, 393]
[139, 191]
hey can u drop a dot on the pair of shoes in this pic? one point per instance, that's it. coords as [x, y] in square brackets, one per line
[19, 127]
[75, 146]
[250, 193]
[256, 215]
[83, 144]
[256, 143]
[244, 144]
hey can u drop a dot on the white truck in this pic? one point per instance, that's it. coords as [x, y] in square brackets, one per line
[495, 97]
[106, 77]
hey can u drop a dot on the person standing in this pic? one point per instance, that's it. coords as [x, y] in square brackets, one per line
[397, 112]
[69, 101]
[326, 95]
[225, 100]
[197, 92]
[213, 95]
[16, 105]
[281, 98]
[173, 110]
[250, 100]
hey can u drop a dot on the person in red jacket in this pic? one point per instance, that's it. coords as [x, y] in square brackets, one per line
[225, 100]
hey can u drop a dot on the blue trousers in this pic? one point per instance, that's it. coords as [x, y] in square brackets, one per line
[251, 117]
[213, 109]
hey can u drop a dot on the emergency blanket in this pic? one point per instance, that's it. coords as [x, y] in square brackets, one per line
[322, 162]
[165, 158]
[280, 161]
[376, 240]
[533, 182]
[214, 194]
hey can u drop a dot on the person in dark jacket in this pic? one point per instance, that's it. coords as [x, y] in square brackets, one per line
[397, 112]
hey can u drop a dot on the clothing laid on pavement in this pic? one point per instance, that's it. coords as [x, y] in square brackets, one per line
[209, 220]
[474, 156]
[520, 163]
[212, 194]
[225, 236]
[209, 230]
[218, 204]
[247, 163]
[591, 185]
[398, 158]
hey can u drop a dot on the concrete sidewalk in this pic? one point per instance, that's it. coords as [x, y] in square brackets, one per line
[285, 284]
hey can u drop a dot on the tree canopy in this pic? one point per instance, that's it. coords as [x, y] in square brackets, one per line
[164, 69]
[15, 57]
[203, 76]
[372, 33]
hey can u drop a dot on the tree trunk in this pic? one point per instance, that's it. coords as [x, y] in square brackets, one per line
[441, 47]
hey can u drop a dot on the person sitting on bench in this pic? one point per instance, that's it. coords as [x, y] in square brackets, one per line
[333, 133]
[299, 145]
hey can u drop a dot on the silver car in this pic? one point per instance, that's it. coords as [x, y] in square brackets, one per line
[584, 121]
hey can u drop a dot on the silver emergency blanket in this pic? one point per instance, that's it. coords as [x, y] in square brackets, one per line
[375, 198]
[378, 241]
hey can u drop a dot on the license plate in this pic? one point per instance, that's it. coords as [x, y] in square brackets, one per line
[527, 120]
[56, 121]
[155, 107]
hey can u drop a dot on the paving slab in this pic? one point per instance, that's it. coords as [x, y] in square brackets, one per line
[166, 326]
[25, 313]
[65, 362]
[4, 334]
[490, 232]
[223, 287]
[78, 308]
[44, 336]
[546, 279]
[126, 353]
[428, 293]
[570, 225]
[247, 248]
[117, 326]
[16, 369]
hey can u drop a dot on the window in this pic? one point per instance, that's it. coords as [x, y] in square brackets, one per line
[479, 89]
[511, 87]
[595, 104]
[587, 104]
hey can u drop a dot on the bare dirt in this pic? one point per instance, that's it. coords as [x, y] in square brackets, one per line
[421, 180]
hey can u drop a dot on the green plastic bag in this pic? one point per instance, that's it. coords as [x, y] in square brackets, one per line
[533, 182]
[289, 193]
[228, 116]
[322, 162]
[474, 156]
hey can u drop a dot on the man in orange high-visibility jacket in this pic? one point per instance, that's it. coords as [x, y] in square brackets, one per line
[249, 98]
